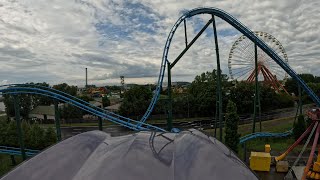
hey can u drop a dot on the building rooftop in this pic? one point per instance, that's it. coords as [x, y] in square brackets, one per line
[48, 110]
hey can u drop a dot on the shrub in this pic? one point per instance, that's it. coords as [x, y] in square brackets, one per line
[299, 127]
[231, 126]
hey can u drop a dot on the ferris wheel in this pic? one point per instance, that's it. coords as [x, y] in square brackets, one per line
[241, 62]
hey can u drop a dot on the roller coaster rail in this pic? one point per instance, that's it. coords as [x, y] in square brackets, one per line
[249, 137]
[16, 151]
[127, 122]
[66, 95]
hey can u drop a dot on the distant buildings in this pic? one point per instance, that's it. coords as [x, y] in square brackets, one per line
[113, 108]
[178, 87]
[81, 91]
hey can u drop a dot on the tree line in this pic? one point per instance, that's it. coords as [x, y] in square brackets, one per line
[27, 102]
[199, 99]
[35, 137]
[312, 81]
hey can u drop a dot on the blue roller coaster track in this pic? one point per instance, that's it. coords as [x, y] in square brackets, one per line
[264, 135]
[141, 125]
[16, 151]
[61, 96]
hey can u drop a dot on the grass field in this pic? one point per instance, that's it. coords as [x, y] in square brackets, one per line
[276, 125]
[6, 163]
[277, 145]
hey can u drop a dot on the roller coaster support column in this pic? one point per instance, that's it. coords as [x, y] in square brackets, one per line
[244, 152]
[259, 104]
[300, 100]
[185, 33]
[13, 160]
[256, 94]
[19, 129]
[171, 65]
[100, 124]
[169, 120]
[57, 119]
[216, 115]
[218, 78]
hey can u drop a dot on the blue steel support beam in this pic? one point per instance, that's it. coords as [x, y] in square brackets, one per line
[256, 93]
[169, 120]
[57, 119]
[185, 33]
[219, 84]
[16, 151]
[19, 128]
[191, 43]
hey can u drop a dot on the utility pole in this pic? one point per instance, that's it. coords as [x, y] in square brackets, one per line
[86, 78]
[122, 82]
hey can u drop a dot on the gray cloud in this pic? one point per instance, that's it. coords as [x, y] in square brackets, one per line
[55, 41]
[16, 52]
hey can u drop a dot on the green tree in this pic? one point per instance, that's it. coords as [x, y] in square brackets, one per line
[64, 87]
[86, 98]
[50, 137]
[203, 92]
[8, 102]
[24, 104]
[25, 127]
[307, 77]
[161, 106]
[11, 135]
[292, 86]
[3, 131]
[70, 112]
[135, 101]
[35, 137]
[38, 100]
[299, 127]
[242, 94]
[231, 127]
[105, 101]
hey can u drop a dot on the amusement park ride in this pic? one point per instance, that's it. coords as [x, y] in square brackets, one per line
[314, 172]
[241, 62]
[253, 55]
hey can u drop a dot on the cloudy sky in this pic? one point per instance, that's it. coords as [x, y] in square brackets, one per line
[54, 41]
